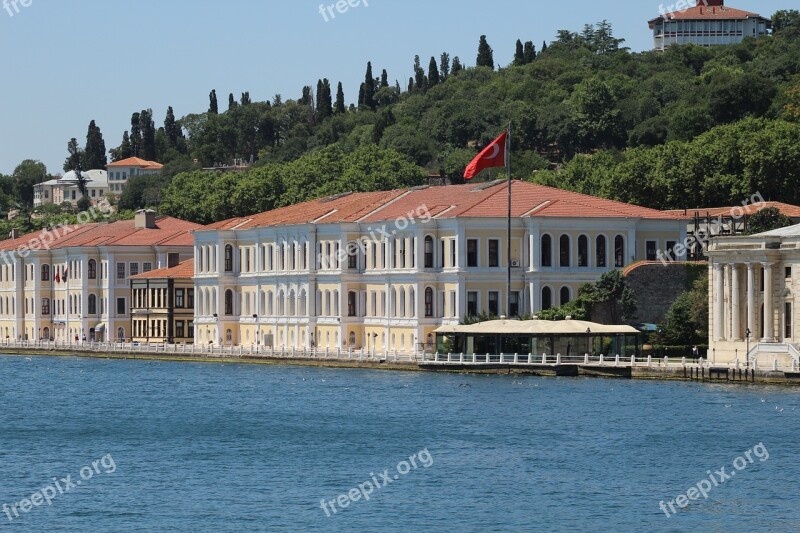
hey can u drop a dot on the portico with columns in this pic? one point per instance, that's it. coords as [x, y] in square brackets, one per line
[752, 297]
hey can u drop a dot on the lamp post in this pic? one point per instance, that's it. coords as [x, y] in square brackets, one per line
[258, 330]
[588, 335]
[747, 341]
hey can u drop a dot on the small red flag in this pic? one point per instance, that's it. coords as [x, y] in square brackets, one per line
[57, 278]
[493, 155]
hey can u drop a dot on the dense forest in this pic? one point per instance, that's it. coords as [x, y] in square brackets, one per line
[691, 127]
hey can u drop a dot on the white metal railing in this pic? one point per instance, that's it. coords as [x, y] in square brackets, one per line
[775, 349]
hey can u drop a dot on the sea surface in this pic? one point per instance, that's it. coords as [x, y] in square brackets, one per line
[160, 446]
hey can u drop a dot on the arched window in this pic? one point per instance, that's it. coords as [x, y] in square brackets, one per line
[45, 272]
[428, 302]
[229, 302]
[292, 303]
[619, 251]
[547, 298]
[92, 269]
[302, 302]
[600, 251]
[121, 334]
[428, 252]
[92, 304]
[352, 338]
[229, 336]
[563, 252]
[583, 251]
[228, 258]
[565, 295]
[547, 251]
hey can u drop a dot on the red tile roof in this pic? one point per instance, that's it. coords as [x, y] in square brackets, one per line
[168, 232]
[184, 270]
[473, 200]
[791, 211]
[137, 162]
[703, 12]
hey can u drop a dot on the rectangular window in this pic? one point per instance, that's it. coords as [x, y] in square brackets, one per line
[351, 304]
[788, 321]
[494, 253]
[788, 272]
[514, 304]
[472, 253]
[147, 267]
[190, 330]
[134, 269]
[652, 247]
[173, 260]
[671, 250]
[179, 299]
[120, 306]
[494, 303]
[190, 298]
[472, 303]
[45, 306]
[179, 329]
[120, 270]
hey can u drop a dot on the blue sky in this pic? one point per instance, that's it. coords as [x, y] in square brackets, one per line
[66, 62]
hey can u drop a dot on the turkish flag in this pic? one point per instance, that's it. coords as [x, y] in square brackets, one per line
[57, 278]
[493, 155]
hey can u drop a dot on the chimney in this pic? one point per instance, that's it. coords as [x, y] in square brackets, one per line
[145, 219]
[711, 3]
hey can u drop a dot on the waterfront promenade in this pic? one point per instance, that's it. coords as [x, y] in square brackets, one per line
[529, 364]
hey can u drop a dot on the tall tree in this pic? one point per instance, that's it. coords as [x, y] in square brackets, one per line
[384, 79]
[529, 53]
[307, 99]
[171, 128]
[95, 150]
[246, 98]
[26, 175]
[420, 82]
[123, 151]
[457, 66]
[213, 107]
[232, 103]
[444, 66]
[485, 54]
[136, 135]
[369, 88]
[75, 157]
[324, 100]
[340, 106]
[433, 73]
[519, 54]
[148, 151]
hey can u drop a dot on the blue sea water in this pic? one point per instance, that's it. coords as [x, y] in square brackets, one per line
[203, 447]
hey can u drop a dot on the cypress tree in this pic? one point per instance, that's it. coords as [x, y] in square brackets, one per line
[171, 129]
[384, 79]
[324, 100]
[444, 66]
[148, 150]
[420, 83]
[529, 53]
[457, 67]
[213, 108]
[306, 98]
[246, 98]
[340, 99]
[433, 73]
[411, 85]
[544, 47]
[485, 54]
[95, 151]
[136, 135]
[232, 102]
[124, 150]
[73, 161]
[519, 54]
[369, 88]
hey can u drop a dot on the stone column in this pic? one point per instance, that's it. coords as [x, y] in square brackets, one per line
[736, 304]
[719, 302]
[751, 298]
[769, 333]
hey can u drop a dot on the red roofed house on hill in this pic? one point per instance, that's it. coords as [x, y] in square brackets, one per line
[73, 281]
[381, 271]
[708, 23]
[119, 172]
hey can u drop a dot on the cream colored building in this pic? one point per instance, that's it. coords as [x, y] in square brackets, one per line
[73, 281]
[65, 189]
[382, 271]
[754, 285]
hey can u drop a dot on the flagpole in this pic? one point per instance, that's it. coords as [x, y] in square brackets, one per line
[508, 244]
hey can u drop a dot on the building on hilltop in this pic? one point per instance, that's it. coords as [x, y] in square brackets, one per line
[162, 305]
[73, 281]
[381, 271]
[65, 189]
[755, 285]
[120, 172]
[708, 23]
